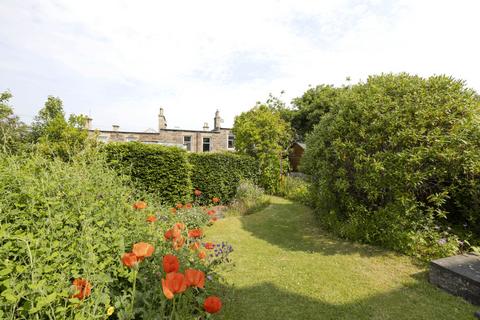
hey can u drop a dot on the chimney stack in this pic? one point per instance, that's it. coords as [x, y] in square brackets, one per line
[88, 123]
[205, 126]
[115, 127]
[162, 121]
[216, 121]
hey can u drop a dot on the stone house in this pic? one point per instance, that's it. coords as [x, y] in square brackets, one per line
[206, 140]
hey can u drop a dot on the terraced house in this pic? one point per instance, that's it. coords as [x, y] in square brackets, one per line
[206, 140]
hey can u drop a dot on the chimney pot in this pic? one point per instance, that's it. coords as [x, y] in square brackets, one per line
[115, 127]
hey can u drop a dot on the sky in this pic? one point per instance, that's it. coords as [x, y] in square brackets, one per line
[119, 61]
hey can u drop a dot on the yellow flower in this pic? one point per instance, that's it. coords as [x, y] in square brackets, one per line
[110, 311]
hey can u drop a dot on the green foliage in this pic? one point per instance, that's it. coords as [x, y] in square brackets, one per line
[159, 170]
[295, 188]
[311, 106]
[54, 134]
[59, 221]
[249, 198]
[396, 158]
[12, 131]
[264, 135]
[219, 174]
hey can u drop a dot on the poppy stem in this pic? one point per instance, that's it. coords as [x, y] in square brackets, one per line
[173, 308]
[135, 272]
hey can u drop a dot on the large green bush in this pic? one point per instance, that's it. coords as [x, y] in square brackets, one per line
[219, 174]
[159, 170]
[60, 221]
[397, 162]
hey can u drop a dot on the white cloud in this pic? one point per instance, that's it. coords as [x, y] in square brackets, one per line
[122, 60]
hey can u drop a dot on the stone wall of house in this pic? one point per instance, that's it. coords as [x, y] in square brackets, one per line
[218, 138]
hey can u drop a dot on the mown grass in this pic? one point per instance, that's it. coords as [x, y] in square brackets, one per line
[288, 268]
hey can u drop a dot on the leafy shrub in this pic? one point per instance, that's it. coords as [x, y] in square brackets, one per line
[295, 188]
[249, 198]
[61, 221]
[219, 174]
[396, 158]
[159, 170]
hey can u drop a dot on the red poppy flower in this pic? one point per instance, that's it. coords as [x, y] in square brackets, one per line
[195, 278]
[188, 206]
[197, 193]
[212, 304]
[215, 200]
[170, 263]
[195, 233]
[173, 283]
[143, 250]
[178, 206]
[202, 255]
[82, 287]
[212, 220]
[179, 225]
[139, 205]
[178, 242]
[211, 212]
[151, 219]
[209, 245]
[129, 259]
[195, 246]
[173, 210]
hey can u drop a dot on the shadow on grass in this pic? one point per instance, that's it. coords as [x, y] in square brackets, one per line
[292, 226]
[266, 301]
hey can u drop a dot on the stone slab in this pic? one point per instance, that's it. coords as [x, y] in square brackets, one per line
[458, 275]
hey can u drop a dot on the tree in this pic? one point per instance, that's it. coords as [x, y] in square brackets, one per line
[12, 130]
[264, 135]
[54, 134]
[312, 106]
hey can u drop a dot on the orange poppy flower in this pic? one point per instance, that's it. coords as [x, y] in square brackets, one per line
[197, 193]
[212, 220]
[209, 245]
[178, 242]
[188, 206]
[195, 246]
[195, 278]
[170, 263]
[178, 206]
[195, 233]
[82, 287]
[202, 255]
[211, 212]
[139, 205]
[129, 259]
[212, 304]
[151, 219]
[173, 283]
[143, 250]
[173, 210]
[215, 200]
[179, 225]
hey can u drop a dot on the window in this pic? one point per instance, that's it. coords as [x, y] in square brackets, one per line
[103, 138]
[131, 138]
[206, 144]
[231, 140]
[187, 142]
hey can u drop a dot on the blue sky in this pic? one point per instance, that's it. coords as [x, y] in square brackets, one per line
[120, 61]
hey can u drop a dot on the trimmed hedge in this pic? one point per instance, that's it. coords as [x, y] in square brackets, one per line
[159, 170]
[168, 172]
[219, 174]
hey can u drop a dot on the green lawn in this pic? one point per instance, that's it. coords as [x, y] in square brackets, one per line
[288, 268]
